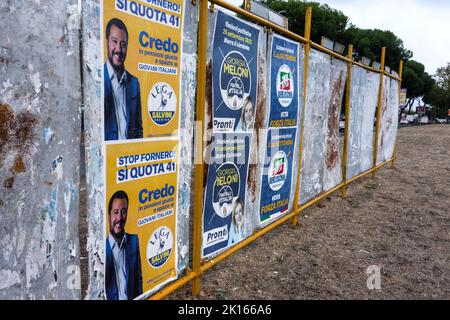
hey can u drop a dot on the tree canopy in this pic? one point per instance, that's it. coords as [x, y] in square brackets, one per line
[335, 25]
[439, 95]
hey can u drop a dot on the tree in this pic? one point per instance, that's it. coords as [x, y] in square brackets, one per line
[418, 82]
[442, 77]
[368, 43]
[327, 21]
[439, 95]
[335, 25]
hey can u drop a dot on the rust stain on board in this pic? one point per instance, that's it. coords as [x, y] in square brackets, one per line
[19, 165]
[24, 133]
[17, 135]
[8, 183]
[6, 119]
[252, 180]
[261, 99]
[334, 111]
[208, 116]
[383, 116]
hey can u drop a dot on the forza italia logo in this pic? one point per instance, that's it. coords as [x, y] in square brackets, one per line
[285, 85]
[277, 171]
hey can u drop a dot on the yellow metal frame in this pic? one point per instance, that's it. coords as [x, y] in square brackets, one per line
[200, 110]
[400, 75]
[308, 19]
[199, 267]
[379, 109]
[347, 121]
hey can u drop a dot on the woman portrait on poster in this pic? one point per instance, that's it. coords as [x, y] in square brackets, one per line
[247, 120]
[236, 233]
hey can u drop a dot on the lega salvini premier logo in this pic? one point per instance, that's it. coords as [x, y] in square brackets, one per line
[162, 103]
[159, 247]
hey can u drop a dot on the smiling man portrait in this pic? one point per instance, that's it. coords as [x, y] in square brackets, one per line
[122, 96]
[123, 279]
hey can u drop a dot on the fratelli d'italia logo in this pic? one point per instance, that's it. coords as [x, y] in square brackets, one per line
[285, 85]
[162, 103]
[159, 247]
[235, 80]
[277, 171]
[226, 189]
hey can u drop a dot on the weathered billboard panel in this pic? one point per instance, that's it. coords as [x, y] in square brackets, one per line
[321, 163]
[363, 104]
[333, 145]
[389, 120]
[173, 115]
[315, 129]
[40, 124]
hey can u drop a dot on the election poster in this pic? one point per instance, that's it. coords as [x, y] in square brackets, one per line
[234, 87]
[142, 45]
[277, 173]
[276, 183]
[224, 220]
[234, 70]
[141, 202]
[403, 98]
[284, 63]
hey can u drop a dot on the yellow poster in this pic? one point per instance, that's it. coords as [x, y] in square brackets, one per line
[142, 45]
[141, 202]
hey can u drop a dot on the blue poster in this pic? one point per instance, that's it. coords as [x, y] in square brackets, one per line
[224, 202]
[284, 63]
[234, 69]
[277, 173]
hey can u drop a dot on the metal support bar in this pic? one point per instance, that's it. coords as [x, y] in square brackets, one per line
[200, 110]
[211, 263]
[347, 121]
[248, 5]
[308, 19]
[379, 107]
[163, 293]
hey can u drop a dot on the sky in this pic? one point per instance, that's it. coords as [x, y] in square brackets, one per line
[423, 25]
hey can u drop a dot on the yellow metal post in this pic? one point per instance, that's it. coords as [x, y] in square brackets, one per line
[400, 75]
[248, 5]
[200, 110]
[308, 18]
[379, 107]
[347, 121]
